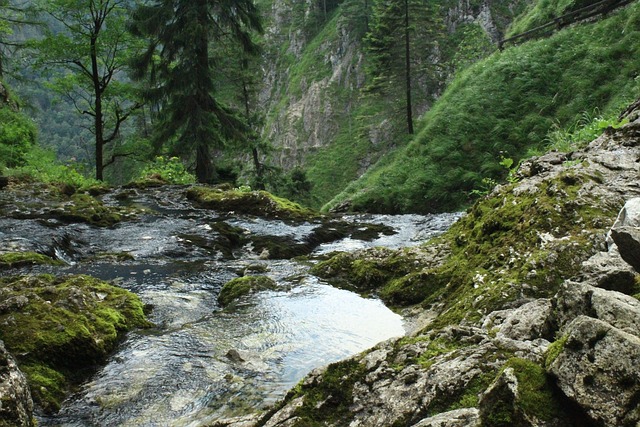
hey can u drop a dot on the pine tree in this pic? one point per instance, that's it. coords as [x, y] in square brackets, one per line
[400, 31]
[182, 72]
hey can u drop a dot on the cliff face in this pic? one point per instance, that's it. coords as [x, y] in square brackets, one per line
[316, 110]
[533, 297]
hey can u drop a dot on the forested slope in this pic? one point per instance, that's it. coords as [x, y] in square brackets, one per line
[505, 106]
[323, 113]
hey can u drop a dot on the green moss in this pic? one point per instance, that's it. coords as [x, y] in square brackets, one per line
[64, 202]
[328, 399]
[536, 393]
[260, 203]
[85, 208]
[554, 350]
[60, 328]
[369, 271]
[466, 397]
[413, 288]
[436, 348]
[21, 259]
[48, 386]
[242, 286]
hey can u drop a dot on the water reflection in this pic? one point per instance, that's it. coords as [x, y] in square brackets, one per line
[184, 374]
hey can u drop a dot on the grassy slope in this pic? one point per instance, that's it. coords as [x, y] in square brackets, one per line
[505, 105]
[355, 114]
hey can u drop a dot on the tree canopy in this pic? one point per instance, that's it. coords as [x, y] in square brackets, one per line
[179, 65]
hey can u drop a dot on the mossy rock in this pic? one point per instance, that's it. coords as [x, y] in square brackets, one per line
[85, 208]
[149, 181]
[259, 203]
[24, 259]
[63, 202]
[327, 396]
[537, 398]
[242, 286]
[510, 245]
[60, 328]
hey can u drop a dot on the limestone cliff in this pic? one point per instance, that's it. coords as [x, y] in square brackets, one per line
[534, 305]
[317, 115]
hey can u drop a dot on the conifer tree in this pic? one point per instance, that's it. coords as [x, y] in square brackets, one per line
[400, 31]
[181, 69]
[12, 14]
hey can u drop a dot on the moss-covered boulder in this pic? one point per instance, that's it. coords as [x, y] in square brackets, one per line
[241, 286]
[259, 203]
[61, 202]
[23, 259]
[61, 328]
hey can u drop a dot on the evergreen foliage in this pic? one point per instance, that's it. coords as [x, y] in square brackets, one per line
[181, 72]
[401, 31]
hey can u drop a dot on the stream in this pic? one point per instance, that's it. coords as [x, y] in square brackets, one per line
[202, 363]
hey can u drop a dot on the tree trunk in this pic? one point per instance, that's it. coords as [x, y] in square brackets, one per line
[204, 166]
[408, 67]
[205, 170]
[98, 115]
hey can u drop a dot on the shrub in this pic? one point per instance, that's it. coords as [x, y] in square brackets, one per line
[17, 136]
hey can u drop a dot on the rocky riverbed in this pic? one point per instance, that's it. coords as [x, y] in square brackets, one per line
[233, 317]
[534, 300]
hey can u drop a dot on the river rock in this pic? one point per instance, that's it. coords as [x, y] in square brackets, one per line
[16, 406]
[599, 369]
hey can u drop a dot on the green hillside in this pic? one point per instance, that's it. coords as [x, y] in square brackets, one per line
[505, 106]
[360, 126]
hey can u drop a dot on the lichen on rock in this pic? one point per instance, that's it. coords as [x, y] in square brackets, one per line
[16, 405]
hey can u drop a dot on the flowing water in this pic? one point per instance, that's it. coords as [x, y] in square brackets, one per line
[201, 362]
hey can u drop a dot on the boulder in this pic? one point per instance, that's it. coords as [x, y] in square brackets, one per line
[599, 369]
[527, 322]
[627, 239]
[629, 216]
[16, 406]
[608, 270]
[579, 299]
